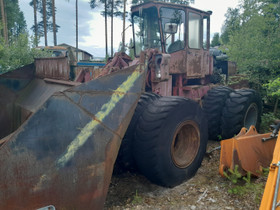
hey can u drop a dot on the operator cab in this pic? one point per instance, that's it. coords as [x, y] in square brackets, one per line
[169, 27]
[179, 30]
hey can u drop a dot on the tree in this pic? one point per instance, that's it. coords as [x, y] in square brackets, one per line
[112, 26]
[216, 40]
[231, 24]
[112, 6]
[123, 32]
[45, 22]
[54, 23]
[93, 4]
[77, 31]
[14, 19]
[18, 53]
[47, 9]
[35, 22]
[254, 39]
[273, 90]
[4, 21]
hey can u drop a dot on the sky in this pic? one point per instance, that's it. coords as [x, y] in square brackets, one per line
[92, 28]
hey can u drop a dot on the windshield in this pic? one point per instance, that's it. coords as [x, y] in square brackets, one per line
[174, 40]
[146, 30]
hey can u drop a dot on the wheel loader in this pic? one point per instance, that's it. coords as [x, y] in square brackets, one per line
[61, 138]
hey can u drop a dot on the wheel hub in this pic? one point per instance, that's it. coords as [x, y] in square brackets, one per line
[251, 116]
[185, 144]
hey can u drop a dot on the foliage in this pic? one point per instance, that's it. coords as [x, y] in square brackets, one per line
[48, 17]
[231, 24]
[273, 87]
[267, 120]
[17, 54]
[137, 199]
[252, 34]
[243, 185]
[233, 175]
[15, 19]
[216, 40]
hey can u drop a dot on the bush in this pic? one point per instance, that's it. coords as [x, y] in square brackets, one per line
[18, 53]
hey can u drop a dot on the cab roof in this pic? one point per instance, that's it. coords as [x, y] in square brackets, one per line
[170, 5]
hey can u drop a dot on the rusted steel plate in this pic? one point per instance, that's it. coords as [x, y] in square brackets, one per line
[36, 93]
[64, 154]
[18, 102]
[11, 83]
[54, 68]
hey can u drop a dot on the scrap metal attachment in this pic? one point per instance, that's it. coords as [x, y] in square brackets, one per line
[249, 150]
[63, 155]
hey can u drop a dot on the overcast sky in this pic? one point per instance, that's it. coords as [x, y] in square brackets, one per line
[91, 23]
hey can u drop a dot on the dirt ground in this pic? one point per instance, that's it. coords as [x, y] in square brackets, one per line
[206, 190]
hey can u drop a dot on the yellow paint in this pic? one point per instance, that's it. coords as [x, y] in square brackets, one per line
[88, 130]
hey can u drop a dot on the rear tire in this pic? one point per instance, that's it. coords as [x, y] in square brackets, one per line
[243, 108]
[213, 103]
[125, 158]
[170, 140]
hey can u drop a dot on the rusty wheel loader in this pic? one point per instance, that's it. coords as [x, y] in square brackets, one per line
[60, 138]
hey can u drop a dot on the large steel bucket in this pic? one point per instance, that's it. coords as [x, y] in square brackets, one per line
[63, 154]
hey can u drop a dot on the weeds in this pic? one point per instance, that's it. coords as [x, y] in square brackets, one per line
[137, 199]
[243, 185]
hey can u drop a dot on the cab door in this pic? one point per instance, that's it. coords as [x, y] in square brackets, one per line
[194, 48]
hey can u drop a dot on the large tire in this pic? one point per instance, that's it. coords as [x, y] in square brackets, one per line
[243, 108]
[171, 139]
[213, 103]
[125, 156]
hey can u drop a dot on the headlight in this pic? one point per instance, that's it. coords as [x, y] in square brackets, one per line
[157, 65]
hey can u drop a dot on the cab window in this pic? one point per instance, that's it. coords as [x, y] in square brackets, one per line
[194, 31]
[173, 24]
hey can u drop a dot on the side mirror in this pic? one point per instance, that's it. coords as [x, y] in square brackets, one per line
[170, 28]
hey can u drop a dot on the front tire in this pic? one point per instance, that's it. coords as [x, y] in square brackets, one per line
[125, 158]
[170, 140]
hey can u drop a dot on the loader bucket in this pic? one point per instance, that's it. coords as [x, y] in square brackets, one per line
[248, 151]
[62, 157]
[21, 94]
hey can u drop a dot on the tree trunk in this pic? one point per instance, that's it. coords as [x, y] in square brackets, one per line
[123, 38]
[106, 31]
[77, 30]
[112, 27]
[4, 22]
[276, 106]
[54, 23]
[35, 22]
[45, 22]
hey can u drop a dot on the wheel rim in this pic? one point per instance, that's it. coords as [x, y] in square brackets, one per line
[185, 144]
[251, 116]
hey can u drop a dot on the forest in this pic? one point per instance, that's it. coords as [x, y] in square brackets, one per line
[250, 36]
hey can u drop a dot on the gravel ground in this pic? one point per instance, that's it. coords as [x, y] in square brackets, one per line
[206, 190]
